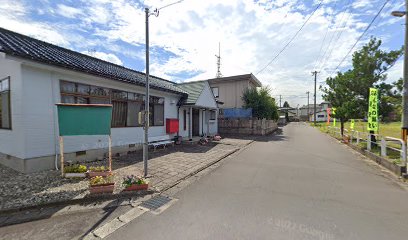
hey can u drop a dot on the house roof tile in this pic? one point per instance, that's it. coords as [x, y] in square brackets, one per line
[22, 46]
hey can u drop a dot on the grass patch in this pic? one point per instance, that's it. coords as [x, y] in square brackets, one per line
[392, 129]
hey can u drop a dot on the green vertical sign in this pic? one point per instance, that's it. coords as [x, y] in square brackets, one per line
[84, 119]
[373, 110]
[352, 124]
[334, 118]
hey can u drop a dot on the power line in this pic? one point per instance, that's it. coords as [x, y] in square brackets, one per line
[324, 38]
[359, 38]
[294, 36]
[343, 27]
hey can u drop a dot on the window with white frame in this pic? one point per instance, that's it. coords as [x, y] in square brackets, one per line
[215, 91]
[5, 105]
[126, 105]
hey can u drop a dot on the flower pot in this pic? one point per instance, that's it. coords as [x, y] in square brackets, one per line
[95, 174]
[74, 175]
[102, 188]
[136, 187]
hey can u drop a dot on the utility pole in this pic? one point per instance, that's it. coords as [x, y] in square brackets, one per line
[404, 127]
[147, 97]
[308, 111]
[405, 85]
[280, 101]
[219, 61]
[314, 111]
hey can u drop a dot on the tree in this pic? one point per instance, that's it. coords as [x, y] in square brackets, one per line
[261, 102]
[286, 105]
[369, 67]
[337, 92]
[348, 92]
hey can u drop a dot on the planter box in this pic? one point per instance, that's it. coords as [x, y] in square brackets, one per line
[103, 188]
[137, 187]
[95, 174]
[75, 175]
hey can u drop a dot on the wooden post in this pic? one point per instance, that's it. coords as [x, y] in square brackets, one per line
[61, 146]
[110, 153]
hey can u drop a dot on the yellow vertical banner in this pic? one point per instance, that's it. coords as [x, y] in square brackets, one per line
[373, 110]
[334, 118]
[352, 124]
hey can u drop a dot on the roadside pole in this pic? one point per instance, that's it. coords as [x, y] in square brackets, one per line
[314, 111]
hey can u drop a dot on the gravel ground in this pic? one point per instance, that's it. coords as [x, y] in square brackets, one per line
[165, 167]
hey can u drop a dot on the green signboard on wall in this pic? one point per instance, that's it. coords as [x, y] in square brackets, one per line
[84, 119]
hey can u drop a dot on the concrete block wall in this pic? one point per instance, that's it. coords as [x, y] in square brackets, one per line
[247, 126]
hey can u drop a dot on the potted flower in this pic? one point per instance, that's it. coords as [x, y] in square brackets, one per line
[101, 184]
[98, 171]
[133, 183]
[75, 171]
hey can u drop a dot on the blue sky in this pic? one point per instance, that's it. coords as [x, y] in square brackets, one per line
[184, 38]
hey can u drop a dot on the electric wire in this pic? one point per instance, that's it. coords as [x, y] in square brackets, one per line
[294, 36]
[359, 38]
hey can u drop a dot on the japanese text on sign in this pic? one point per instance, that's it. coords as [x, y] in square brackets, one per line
[373, 110]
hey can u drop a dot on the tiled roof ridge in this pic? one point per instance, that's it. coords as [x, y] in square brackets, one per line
[82, 55]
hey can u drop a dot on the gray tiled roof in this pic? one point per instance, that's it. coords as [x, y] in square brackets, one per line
[193, 89]
[29, 48]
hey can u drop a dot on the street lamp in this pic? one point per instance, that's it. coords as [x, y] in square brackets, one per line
[404, 127]
[147, 97]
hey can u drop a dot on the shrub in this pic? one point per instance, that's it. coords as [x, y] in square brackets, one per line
[99, 180]
[98, 169]
[76, 168]
[132, 180]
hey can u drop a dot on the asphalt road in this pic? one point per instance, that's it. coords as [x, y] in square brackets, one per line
[300, 184]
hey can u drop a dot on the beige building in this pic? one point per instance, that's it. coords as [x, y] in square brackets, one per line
[229, 90]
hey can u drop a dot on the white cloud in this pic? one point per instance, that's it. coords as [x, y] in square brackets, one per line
[104, 56]
[13, 17]
[251, 34]
[67, 11]
[396, 72]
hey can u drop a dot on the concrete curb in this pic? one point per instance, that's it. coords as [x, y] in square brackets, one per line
[86, 200]
[106, 197]
[204, 167]
[136, 212]
[394, 168]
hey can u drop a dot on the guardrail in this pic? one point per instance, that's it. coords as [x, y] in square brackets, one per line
[383, 143]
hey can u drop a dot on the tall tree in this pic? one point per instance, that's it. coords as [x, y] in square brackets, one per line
[348, 92]
[337, 92]
[369, 66]
[262, 103]
[286, 105]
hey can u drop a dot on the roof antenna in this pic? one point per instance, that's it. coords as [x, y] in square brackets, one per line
[218, 75]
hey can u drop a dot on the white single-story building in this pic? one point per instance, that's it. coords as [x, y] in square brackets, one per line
[321, 116]
[35, 75]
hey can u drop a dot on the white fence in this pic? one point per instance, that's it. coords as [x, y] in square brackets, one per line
[383, 143]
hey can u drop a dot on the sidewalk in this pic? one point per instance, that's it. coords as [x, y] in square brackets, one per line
[166, 167]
